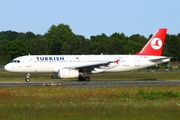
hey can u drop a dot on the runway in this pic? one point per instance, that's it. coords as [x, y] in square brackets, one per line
[94, 83]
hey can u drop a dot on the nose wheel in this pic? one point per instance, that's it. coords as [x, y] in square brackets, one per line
[27, 77]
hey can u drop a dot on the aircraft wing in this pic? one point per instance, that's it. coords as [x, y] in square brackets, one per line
[91, 65]
[86, 67]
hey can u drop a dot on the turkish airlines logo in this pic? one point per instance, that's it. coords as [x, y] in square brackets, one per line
[156, 43]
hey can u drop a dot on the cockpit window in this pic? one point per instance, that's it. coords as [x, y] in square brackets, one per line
[15, 61]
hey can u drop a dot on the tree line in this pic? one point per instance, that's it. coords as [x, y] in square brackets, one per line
[60, 39]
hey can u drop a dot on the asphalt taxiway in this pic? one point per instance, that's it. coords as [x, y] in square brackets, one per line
[94, 83]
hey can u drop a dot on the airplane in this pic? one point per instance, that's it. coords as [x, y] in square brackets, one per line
[80, 66]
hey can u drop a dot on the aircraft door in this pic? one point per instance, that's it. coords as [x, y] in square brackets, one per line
[28, 62]
[137, 61]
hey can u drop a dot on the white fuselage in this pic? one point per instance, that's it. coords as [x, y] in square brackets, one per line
[51, 63]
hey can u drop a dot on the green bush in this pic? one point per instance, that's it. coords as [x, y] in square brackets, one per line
[125, 95]
[156, 94]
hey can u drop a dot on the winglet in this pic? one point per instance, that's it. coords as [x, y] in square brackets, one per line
[155, 45]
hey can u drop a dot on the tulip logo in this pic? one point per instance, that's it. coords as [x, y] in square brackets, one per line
[156, 43]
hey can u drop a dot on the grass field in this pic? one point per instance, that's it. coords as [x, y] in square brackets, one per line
[89, 103]
[68, 103]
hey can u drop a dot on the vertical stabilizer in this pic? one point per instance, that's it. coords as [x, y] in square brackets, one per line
[155, 45]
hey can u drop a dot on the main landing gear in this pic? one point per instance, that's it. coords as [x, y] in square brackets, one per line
[82, 78]
[27, 77]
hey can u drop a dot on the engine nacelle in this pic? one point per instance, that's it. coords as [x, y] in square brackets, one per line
[68, 73]
[65, 73]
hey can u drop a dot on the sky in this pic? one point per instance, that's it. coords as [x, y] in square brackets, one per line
[91, 17]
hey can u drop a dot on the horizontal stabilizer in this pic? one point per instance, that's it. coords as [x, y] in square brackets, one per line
[165, 59]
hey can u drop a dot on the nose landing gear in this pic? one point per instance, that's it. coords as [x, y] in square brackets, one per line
[27, 77]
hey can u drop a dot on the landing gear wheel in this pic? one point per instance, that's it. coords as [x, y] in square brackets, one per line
[81, 78]
[27, 80]
[87, 78]
[28, 77]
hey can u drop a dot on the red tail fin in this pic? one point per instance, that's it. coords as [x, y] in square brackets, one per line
[155, 44]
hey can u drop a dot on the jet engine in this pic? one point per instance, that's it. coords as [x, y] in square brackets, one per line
[65, 73]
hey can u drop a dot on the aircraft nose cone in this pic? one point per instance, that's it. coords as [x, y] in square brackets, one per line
[7, 67]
